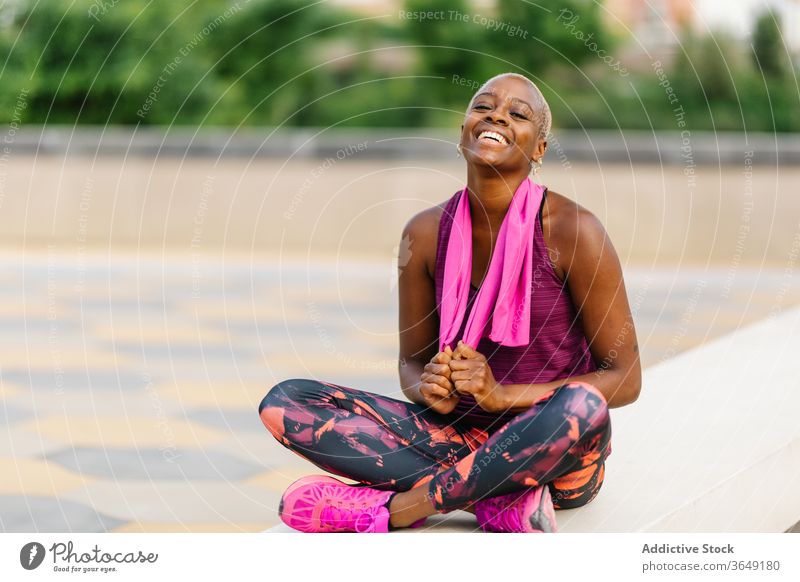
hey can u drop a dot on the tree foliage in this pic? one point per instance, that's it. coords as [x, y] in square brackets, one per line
[298, 63]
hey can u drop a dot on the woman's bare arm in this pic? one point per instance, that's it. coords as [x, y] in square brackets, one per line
[418, 319]
[595, 283]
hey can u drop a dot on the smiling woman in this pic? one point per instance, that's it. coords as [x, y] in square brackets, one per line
[510, 309]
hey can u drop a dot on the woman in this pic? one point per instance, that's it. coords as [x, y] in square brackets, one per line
[515, 338]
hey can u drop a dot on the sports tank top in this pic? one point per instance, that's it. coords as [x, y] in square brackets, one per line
[558, 347]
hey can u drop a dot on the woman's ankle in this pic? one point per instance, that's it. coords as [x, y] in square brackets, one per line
[408, 507]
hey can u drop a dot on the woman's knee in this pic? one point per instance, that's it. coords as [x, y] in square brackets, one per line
[288, 391]
[583, 400]
[281, 396]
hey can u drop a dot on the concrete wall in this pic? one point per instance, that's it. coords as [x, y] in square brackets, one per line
[353, 201]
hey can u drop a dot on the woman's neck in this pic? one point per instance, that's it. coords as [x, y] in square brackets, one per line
[490, 196]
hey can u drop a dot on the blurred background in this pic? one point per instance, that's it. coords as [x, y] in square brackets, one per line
[370, 63]
[200, 199]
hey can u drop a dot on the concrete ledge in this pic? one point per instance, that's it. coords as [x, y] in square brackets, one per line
[663, 147]
[712, 444]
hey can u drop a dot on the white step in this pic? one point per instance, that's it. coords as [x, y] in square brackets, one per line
[712, 444]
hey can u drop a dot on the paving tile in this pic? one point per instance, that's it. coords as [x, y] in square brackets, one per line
[154, 464]
[385, 384]
[359, 367]
[70, 381]
[65, 358]
[262, 450]
[333, 310]
[208, 311]
[189, 351]
[9, 389]
[18, 444]
[128, 319]
[387, 342]
[136, 431]
[216, 371]
[325, 346]
[229, 419]
[193, 394]
[10, 414]
[32, 308]
[144, 333]
[207, 289]
[119, 403]
[280, 478]
[115, 305]
[345, 292]
[301, 330]
[29, 513]
[189, 502]
[36, 477]
[32, 326]
[120, 290]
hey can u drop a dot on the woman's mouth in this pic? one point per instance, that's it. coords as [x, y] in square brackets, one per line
[492, 136]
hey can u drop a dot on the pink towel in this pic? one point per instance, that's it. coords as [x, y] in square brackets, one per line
[506, 289]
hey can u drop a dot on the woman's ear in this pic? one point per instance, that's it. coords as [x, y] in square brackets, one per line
[541, 148]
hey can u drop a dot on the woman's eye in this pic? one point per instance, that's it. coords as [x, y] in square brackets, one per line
[481, 107]
[520, 115]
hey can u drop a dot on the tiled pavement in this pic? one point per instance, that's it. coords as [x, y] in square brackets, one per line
[129, 384]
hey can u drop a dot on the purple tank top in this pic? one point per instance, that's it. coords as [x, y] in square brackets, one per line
[558, 347]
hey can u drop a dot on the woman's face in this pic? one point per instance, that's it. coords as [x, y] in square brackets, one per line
[501, 128]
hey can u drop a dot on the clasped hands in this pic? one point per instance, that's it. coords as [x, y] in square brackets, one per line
[461, 371]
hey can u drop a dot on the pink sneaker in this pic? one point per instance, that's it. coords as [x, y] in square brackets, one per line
[527, 511]
[322, 504]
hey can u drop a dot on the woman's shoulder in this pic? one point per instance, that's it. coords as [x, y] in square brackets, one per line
[424, 225]
[564, 215]
[570, 227]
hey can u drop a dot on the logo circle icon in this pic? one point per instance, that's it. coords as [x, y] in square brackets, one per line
[31, 555]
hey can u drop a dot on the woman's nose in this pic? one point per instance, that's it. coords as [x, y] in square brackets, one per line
[497, 116]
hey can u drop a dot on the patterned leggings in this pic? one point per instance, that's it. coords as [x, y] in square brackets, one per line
[562, 440]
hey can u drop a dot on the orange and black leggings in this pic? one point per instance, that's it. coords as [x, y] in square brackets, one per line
[562, 440]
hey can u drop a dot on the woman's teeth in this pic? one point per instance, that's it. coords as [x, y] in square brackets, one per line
[493, 135]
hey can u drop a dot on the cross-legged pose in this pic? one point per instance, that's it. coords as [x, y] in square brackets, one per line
[516, 337]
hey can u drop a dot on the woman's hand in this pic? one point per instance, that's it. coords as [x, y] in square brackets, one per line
[471, 374]
[436, 387]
